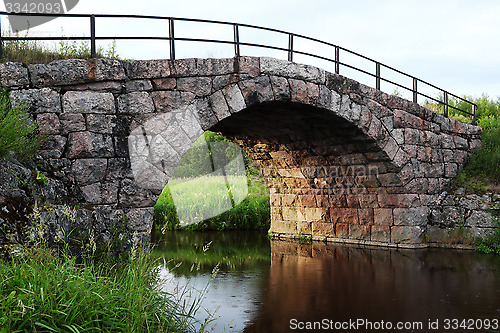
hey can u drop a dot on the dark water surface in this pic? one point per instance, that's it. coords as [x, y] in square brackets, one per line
[276, 286]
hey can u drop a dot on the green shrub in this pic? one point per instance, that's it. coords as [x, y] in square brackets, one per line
[481, 171]
[483, 166]
[490, 244]
[18, 134]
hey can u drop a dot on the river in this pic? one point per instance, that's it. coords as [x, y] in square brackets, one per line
[282, 286]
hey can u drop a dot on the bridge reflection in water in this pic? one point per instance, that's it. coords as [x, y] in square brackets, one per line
[340, 283]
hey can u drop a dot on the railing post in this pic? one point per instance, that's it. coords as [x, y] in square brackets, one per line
[446, 104]
[337, 60]
[377, 75]
[290, 47]
[415, 93]
[473, 114]
[171, 38]
[236, 40]
[92, 37]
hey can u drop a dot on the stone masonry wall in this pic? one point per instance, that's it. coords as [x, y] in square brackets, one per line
[343, 160]
[458, 217]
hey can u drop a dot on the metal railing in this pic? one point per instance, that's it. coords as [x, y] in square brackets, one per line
[237, 43]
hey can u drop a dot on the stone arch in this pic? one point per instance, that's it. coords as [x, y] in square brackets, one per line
[92, 107]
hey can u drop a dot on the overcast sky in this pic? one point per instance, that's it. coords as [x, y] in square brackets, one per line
[452, 44]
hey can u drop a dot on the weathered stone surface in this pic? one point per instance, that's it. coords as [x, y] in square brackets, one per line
[43, 100]
[49, 123]
[256, 90]
[362, 232]
[147, 69]
[219, 105]
[199, 86]
[407, 235]
[417, 216]
[138, 85]
[87, 144]
[101, 193]
[288, 69]
[106, 86]
[139, 102]
[206, 116]
[54, 146]
[304, 92]
[106, 70]
[212, 67]
[234, 98]
[100, 123]
[167, 101]
[381, 233]
[383, 216]
[328, 99]
[131, 195]
[165, 83]
[140, 219]
[63, 72]
[13, 74]
[72, 122]
[76, 71]
[249, 65]
[89, 170]
[88, 102]
[482, 219]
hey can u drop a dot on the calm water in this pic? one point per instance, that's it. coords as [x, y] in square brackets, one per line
[275, 286]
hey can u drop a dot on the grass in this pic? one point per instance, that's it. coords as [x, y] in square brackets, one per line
[41, 292]
[482, 172]
[252, 213]
[491, 243]
[195, 200]
[34, 52]
[18, 134]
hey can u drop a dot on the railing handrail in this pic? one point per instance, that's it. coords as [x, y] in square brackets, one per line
[236, 42]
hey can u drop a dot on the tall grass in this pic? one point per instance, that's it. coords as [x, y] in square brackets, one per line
[40, 292]
[18, 134]
[31, 51]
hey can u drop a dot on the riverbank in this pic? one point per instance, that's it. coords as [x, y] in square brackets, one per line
[45, 292]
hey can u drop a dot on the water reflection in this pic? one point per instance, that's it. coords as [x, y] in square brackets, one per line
[232, 297]
[340, 283]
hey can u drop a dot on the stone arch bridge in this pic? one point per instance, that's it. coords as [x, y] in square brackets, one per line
[344, 162]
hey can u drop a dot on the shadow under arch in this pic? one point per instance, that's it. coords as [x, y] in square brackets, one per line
[324, 173]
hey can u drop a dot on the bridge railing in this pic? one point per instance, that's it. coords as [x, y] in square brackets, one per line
[334, 57]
